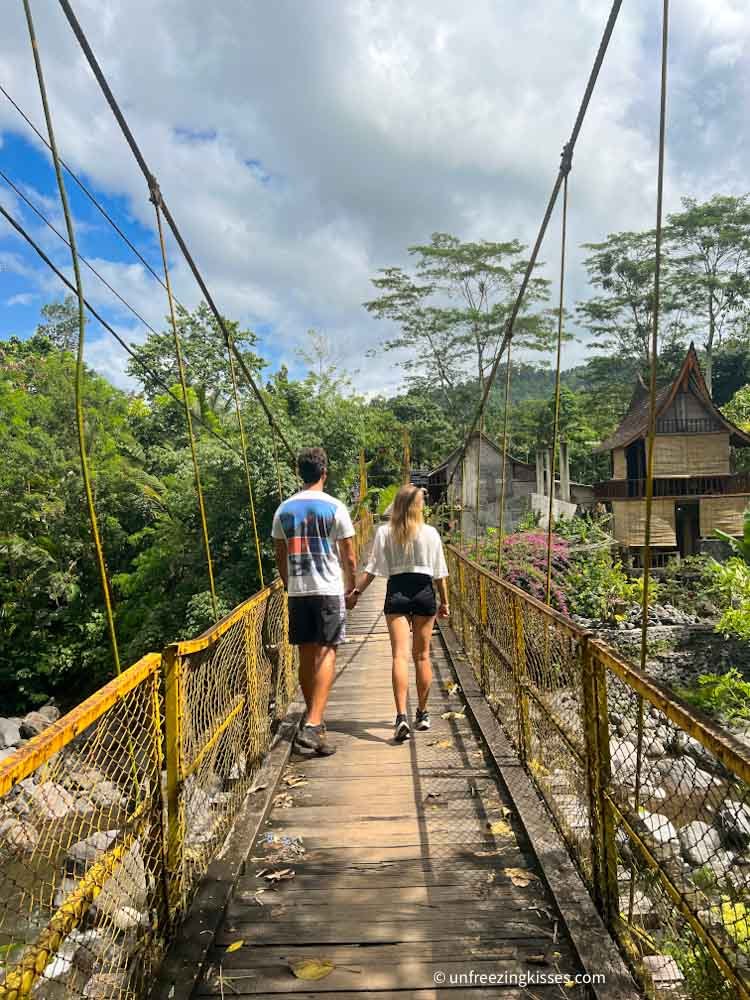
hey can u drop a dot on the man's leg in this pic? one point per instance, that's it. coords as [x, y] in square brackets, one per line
[307, 653]
[321, 680]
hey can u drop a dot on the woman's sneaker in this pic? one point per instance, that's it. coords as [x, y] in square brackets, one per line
[401, 730]
[422, 719]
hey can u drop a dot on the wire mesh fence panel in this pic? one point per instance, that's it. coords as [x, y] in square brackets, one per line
[652, 799]
[229, 688]
[681, 809]
[81, 856]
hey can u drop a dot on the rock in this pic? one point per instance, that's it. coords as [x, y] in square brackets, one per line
[733, 820]
[6, 752]
[10, 733]
[699, 842]
[83, 777]
[64, 888]
[33, 724]
[18, 834]
[677, 774]
[47, 801]
[106, 794]
[86, 852]
[659, 827]
[105, 985]
[654, 747]
[126, 890]
[50, 712]
[721, 863]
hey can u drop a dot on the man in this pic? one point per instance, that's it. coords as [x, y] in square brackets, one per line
[313, 538]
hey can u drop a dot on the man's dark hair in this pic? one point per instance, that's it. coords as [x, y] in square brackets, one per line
[312, 463]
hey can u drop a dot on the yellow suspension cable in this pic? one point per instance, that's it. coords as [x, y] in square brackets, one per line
[80, 426]
[155, 198]
[651, 420]
[556, 419]
[246, 463]
[506, 421]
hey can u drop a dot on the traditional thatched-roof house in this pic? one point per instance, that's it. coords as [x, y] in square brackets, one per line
[695, 490]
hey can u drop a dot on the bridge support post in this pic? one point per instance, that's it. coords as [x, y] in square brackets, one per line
[483, 671]
[173, 692]
[462, 599]
[520, 673]
[601, 817]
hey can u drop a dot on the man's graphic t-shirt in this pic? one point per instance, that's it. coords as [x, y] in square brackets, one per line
[312, 522]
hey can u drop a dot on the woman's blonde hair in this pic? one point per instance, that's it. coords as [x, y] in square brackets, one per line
[407, 515]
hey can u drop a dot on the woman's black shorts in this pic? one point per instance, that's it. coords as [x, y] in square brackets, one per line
[410, 594]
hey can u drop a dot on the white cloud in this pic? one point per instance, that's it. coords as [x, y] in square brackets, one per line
[303, 146]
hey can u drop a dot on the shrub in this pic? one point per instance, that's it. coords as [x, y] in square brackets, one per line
[729, 583]
[726, 696]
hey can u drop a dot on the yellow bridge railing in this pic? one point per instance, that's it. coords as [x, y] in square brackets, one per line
[651, 797]
[111, 816]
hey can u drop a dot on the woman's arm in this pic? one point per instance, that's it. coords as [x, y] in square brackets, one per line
[442, 586]
[363, 581]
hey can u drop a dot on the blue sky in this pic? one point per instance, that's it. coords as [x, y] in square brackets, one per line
[302, 147]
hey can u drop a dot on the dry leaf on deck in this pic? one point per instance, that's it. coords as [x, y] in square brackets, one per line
[312, 968]
[500, 828]
[277, 876]
[538, 959]
[519, 876]
[432, 795]
[234, 946]
[453, 715]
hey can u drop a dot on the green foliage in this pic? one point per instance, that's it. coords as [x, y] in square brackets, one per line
[703, 979]
[726, 696]
[741, 546]
[386, 498]
[729, 584]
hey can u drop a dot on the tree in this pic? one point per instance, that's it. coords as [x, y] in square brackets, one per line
[204, 356]
[621, 316]
[453, 309]
[60, 324]
[709, 246]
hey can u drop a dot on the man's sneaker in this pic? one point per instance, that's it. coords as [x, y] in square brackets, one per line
[303, 722]
[311, 738]
[422, 719]
[401, 730]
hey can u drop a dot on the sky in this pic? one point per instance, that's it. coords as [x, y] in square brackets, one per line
[302, 146]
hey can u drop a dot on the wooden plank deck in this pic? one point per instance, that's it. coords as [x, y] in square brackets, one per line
[400, 857]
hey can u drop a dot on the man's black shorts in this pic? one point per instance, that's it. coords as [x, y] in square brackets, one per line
[317, 619]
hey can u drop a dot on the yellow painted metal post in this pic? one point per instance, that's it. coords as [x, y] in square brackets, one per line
[256, 742]
[610, 893]
[173, 699]
[483, 672]
[362, 477]
[462, 599]
[519, 669]
[406, 459]
[593, 773]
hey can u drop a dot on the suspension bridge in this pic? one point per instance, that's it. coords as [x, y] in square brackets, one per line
[163, 840]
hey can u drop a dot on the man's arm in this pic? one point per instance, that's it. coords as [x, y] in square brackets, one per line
[348, 562]
[280, 551]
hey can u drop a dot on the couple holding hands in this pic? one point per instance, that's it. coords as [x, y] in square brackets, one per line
[314, 547]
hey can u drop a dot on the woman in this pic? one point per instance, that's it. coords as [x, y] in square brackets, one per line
[410, 553]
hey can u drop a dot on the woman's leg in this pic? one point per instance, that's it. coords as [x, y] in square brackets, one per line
[421, 652]
[398, 629]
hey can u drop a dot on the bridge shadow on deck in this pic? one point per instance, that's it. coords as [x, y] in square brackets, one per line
[400, 857]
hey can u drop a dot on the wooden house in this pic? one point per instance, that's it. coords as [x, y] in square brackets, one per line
[695, 490]
[522, 485]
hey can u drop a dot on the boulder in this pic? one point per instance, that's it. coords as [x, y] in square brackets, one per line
[659, 827]
[733, 820]
[124, 896]
[86, 852]
[17, 834]
[50, 712]
[721, 863]
[33, 724]
[699, 843]
[104, 985]
[10, 733]
[48, 801]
